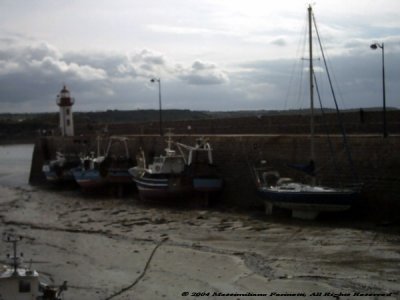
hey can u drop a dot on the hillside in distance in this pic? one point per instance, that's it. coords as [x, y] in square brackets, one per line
[25, 127]
[150, 115]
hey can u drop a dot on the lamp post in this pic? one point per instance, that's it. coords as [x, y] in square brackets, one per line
[159, 99]
[374, 47]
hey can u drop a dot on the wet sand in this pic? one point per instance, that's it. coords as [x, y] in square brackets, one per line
[122, 249]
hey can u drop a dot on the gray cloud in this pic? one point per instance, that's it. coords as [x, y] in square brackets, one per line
[201, 73]
[32, 73]
[279, 42]
[90, 45]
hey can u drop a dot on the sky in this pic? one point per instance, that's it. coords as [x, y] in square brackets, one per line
[209, 54]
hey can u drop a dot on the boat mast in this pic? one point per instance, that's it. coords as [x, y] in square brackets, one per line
[98, 145]
[312, 131]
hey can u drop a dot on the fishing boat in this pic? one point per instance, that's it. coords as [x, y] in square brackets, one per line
[164, 178]
[199, 161]
[117, 165]
[88, 174]
[23, 283]
[59, 169]
[174, 175]
[305, 201]
[99, 170]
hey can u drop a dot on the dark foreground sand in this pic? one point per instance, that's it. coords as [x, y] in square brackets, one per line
[120, 249]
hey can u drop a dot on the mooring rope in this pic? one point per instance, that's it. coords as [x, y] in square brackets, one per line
[123, 290]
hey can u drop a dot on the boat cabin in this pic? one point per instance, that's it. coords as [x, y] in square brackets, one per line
[20, 284]
[167, 164]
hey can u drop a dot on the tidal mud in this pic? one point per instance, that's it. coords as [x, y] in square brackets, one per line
[110, 248]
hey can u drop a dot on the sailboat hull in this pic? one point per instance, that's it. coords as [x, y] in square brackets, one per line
[324, 200]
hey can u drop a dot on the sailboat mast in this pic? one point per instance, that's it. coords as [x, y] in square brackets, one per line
[312, 130]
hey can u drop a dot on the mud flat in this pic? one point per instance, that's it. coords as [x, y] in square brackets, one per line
[122, 249]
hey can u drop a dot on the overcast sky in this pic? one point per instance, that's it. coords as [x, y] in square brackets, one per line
[209, 54]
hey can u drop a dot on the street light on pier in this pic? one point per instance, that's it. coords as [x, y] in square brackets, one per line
[374, 47]
[159, 100]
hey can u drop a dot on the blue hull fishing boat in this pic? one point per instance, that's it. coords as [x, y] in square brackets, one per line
[88, 175]
[97, 171]
[206, 179]
[59, 169]
[118, 165]
[305, 201]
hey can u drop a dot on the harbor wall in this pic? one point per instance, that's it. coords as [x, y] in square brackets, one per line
[375, 159]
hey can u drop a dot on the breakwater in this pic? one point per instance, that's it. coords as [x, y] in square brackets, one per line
[376, 162]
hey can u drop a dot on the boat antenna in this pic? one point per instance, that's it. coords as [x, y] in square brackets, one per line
[98, 145]
[13, 239]
[169, 140]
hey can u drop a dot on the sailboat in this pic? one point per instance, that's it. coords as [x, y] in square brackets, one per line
[305, 201]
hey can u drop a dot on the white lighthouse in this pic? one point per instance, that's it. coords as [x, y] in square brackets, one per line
[65, 102]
